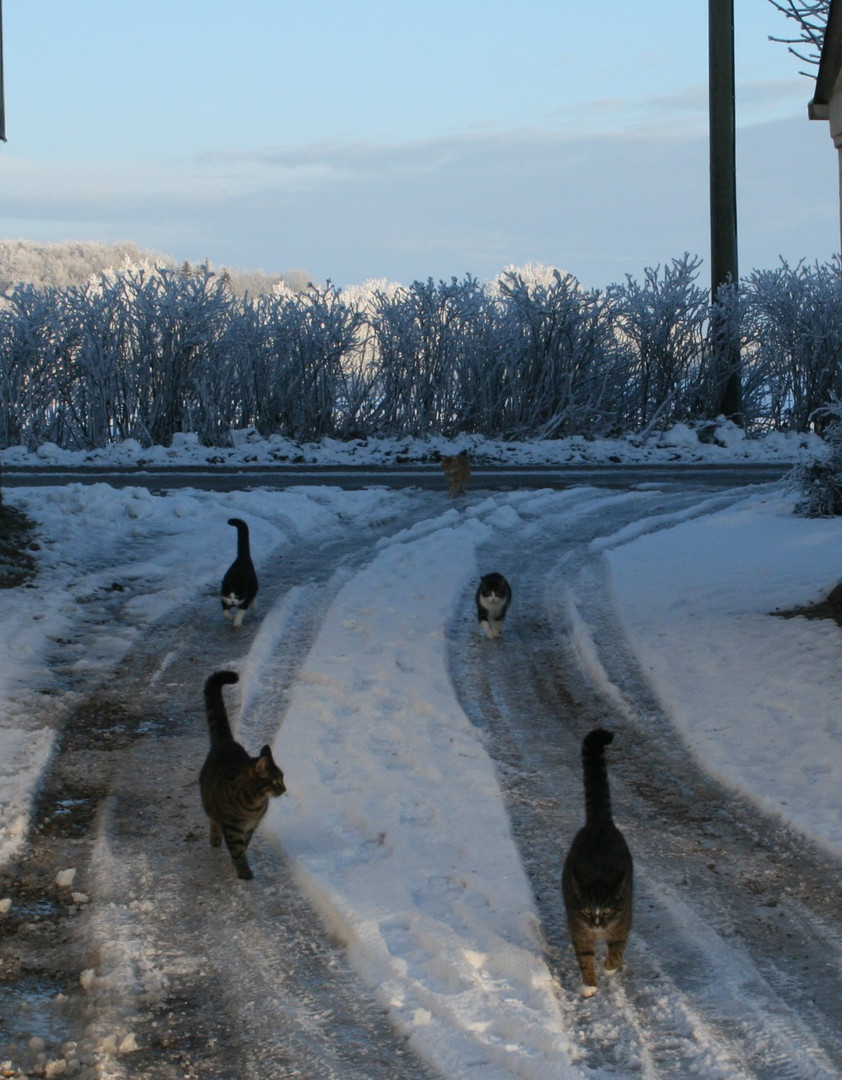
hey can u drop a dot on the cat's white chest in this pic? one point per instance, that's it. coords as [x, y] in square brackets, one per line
[493, 605]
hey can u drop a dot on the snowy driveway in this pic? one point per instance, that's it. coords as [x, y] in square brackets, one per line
[405, 919]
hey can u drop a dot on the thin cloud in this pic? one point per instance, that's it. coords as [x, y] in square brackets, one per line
[684, 112]
[599, 207]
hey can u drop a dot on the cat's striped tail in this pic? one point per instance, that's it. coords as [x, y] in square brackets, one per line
[217, 715]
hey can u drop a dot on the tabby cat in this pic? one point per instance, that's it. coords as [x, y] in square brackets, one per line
[239, 585]
[457, 469]
[235, 787]
[597, 878]
[493, 597]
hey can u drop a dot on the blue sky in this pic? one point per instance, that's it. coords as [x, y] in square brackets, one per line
[404, 140]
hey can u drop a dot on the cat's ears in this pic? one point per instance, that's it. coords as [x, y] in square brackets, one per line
[265, 760]
[616, 885]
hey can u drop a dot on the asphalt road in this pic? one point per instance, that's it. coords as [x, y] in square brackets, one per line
[491, 478]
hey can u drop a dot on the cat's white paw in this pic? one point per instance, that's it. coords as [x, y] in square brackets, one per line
[587, 991]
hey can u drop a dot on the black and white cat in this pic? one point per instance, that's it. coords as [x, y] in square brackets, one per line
[239, 585]
[493, 597]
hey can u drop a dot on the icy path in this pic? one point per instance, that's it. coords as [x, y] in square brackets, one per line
[397, 825]
[405, 920]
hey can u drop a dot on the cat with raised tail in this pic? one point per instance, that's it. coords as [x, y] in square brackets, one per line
[239, 585]
[597, 880]
[493, 596]
[235, 787]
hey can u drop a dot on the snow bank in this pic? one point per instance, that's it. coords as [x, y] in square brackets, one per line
[755, 697]
[398, 826]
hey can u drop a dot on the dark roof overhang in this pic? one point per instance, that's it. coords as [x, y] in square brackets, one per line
[830, 64]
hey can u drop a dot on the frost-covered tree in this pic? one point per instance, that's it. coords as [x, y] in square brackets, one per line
[76, 262]
[60, 266]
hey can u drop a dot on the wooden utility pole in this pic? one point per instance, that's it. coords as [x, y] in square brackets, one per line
[723, 194]
[2, 96]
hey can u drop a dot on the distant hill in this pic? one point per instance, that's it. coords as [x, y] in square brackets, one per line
[25, 262]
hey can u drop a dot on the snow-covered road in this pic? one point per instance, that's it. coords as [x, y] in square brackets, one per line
[405, 919]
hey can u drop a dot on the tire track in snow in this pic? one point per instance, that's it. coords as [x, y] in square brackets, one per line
[707, 874]
[762, 886]
[284, 993]
[188, 973]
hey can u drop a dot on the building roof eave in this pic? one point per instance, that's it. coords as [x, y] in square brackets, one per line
[830, 64]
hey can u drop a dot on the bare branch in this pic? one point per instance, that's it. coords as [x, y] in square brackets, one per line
[811, 17]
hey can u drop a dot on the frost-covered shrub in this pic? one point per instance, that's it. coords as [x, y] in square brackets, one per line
[283, 371]
[147, 352]
[561, 372]
[820, 479]
[35, 341]
[793, 318]
[662, 321]
[436, 357]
